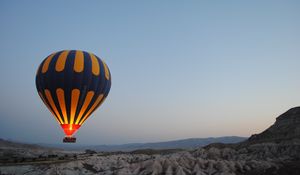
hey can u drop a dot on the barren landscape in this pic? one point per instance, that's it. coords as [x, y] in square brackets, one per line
[274, 151]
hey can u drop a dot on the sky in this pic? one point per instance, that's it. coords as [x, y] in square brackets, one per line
[180, 69]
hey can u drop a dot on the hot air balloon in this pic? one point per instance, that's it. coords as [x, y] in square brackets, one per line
[72, 84]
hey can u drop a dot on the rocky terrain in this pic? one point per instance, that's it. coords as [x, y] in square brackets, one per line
[274, 151]
[14, 150]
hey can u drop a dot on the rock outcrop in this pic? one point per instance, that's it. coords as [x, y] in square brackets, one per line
[285, 129]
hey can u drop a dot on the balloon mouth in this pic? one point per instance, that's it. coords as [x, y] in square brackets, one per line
[70, 129]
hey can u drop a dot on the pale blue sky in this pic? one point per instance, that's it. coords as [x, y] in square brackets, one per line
[180, 69]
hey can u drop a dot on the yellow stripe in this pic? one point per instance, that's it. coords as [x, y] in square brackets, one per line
[74, 102]
[86, 103]
[95, 108]
[106, 70]
[43, 99]
[95, 65]
[79, 61]
[61, 99]
[52, 104]
[100, 102]
[92, 108]
[61, 61]
[46, 63]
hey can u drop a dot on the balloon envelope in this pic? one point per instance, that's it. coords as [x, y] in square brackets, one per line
[72, 84]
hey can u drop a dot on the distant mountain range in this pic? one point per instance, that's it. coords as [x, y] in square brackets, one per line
[190, 143]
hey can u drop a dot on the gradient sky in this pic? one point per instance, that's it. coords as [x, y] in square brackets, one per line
[180, 69]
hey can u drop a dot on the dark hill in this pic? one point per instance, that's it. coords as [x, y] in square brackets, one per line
[285, 129]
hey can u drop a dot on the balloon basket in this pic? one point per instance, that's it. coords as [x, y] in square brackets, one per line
[69, 140]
